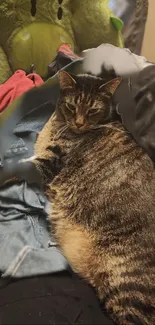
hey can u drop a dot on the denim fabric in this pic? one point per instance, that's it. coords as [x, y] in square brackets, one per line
[26, 246]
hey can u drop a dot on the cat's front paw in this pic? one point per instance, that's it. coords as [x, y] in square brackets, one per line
[25, 160]
[49, 164]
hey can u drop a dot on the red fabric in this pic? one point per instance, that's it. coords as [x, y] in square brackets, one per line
[16, 85]
[67, 50]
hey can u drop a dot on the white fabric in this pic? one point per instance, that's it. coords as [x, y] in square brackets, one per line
[121, 60]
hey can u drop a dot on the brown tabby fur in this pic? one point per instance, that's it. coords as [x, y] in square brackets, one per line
[102, 191]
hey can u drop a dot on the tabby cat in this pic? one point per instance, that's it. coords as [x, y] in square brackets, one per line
[102, 191]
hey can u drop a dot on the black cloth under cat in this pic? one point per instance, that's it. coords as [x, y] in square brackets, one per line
[55, 299]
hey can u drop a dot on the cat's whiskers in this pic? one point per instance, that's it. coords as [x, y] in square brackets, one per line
[108, 126]
[69, 124]
[60, 132]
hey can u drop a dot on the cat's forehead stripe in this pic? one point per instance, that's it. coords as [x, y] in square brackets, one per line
[83, 98]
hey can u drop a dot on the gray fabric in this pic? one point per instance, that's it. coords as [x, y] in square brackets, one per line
[134, 31]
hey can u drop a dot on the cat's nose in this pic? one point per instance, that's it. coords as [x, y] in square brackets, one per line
[79, 122]
[79, 125]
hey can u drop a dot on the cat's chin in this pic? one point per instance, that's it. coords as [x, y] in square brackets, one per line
[79, 131]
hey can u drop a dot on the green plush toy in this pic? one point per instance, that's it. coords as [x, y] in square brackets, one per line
[31, 31]
[94, 24]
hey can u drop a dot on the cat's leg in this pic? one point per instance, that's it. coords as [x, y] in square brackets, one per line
[54, 149]
[77, 245]
[48, 163]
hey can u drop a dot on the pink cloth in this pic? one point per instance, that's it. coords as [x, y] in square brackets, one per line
[16, 85]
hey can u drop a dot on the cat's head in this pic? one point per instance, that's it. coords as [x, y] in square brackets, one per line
[85, 101]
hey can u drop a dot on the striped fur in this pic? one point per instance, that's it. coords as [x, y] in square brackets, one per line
[103, 210]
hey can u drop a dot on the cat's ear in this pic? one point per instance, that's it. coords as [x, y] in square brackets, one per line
[110, 86]
[65, 80]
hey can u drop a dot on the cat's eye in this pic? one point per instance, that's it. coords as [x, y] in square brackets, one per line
[93, 111]
[70, 107]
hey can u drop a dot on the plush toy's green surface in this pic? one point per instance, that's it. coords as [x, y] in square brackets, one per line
[95, 25]
[32, 31]
[38, 48]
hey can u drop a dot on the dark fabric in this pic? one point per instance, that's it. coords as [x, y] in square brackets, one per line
[56, 299]
[136, 105]
[144, 122]
[124, 101]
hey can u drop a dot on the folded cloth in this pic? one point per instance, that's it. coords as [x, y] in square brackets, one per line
[16, 85]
